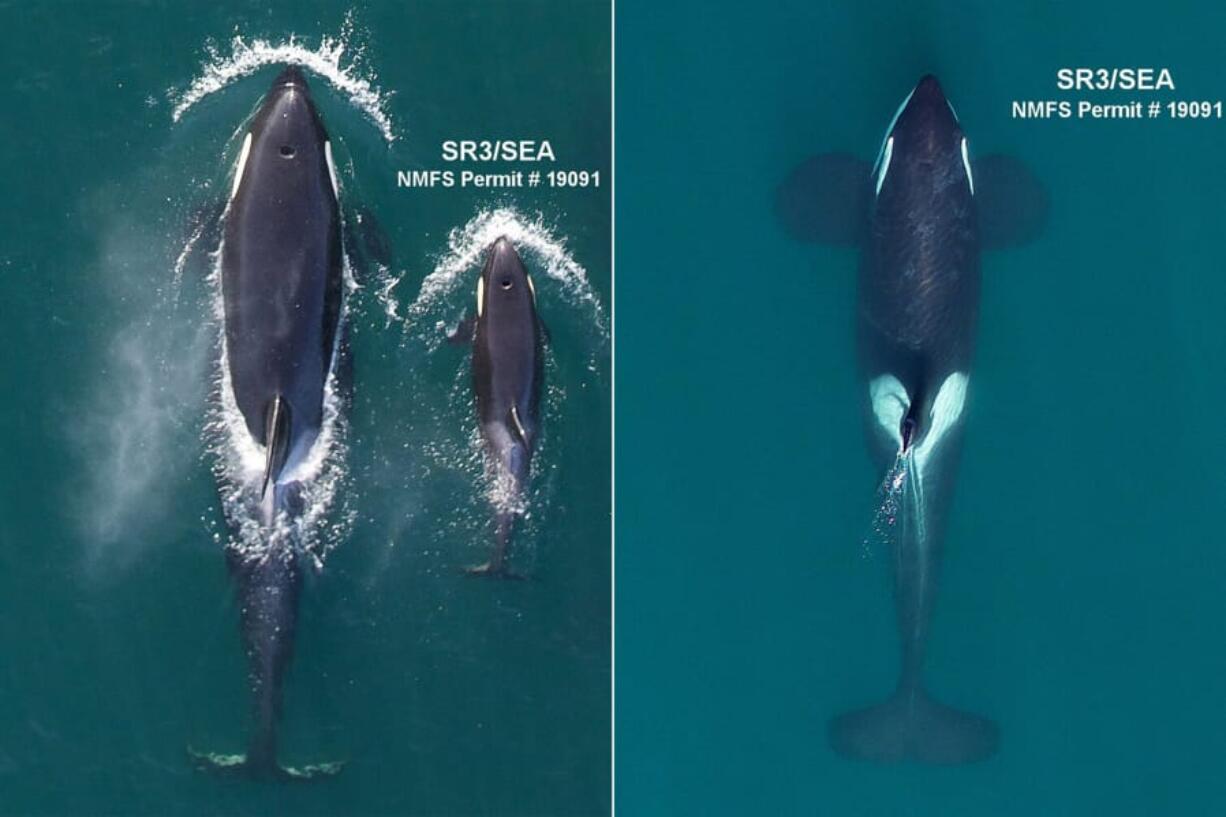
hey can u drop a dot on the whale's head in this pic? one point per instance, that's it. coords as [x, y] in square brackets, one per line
[923, 145]
[287, 141]
[505, 291]
[288, 124]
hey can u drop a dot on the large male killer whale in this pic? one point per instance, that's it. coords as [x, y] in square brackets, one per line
[919, 216]
[282, 287]
[507, 373]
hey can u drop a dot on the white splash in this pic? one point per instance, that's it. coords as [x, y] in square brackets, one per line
[238, 461]
[455, 443]
[466, 248]
[184, 255]
[354, 80]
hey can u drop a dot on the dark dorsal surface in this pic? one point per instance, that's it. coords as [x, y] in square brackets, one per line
[281, 264]
[920, 277]
[506, 351]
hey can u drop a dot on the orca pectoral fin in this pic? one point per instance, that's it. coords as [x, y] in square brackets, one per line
[825, 199]
[464, 331]
[374, 239]
[1012, 203]
[370, 241]
[204, 234]
[240, 766]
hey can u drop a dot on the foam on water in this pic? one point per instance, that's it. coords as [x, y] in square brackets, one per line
[460, 448]
[238, 461]
[456, 444]
[354, 80]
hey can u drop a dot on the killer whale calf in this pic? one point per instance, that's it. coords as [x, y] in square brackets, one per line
[920, 216]
[282, 283]
[507, 367]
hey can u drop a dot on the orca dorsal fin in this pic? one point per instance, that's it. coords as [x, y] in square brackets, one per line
[464, 331]
[276, 437]
[518, 426]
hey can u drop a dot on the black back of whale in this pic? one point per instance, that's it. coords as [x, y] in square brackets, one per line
[506, 345]
[507, 375]
[281, 266]
[920, 276]
[919, 302]
[919, 217]
[281, 283]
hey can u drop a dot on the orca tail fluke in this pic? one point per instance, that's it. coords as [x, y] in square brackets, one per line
[914, 726]
[263, 769]
[498, 566]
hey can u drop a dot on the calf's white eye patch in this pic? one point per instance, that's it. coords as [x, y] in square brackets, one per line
[242, 163]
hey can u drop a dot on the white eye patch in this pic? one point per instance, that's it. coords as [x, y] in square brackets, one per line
[885, 163]
[882, 165]
[336, 190]
[480, 296]
[966, 163]
[242, 164]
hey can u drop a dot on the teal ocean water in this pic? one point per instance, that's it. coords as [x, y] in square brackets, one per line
[118, 629]
[1081, 598]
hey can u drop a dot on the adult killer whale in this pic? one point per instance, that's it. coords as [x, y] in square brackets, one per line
[507, 373]
[920, 217]
[282, 287]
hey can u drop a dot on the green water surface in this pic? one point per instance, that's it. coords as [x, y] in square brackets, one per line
[1081, 602]
[118, 631]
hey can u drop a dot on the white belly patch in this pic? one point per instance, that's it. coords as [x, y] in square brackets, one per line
[891, 403]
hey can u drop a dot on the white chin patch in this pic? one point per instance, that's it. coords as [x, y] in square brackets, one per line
[336, 190]
[242, 164]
